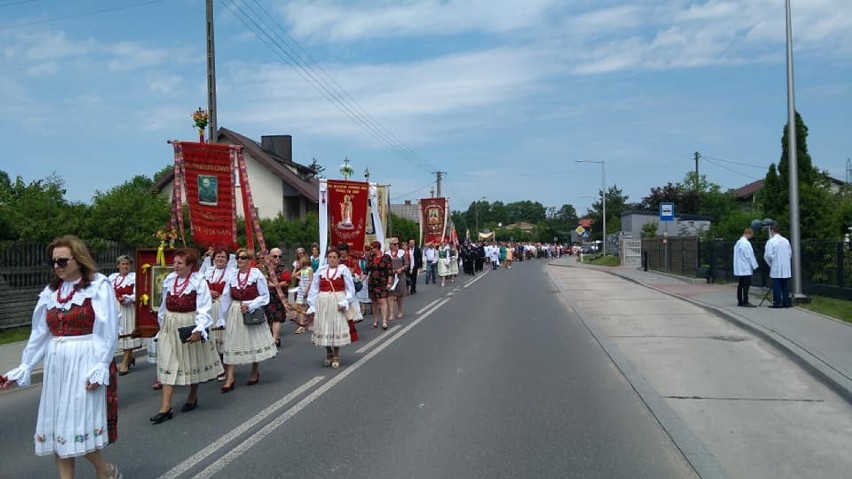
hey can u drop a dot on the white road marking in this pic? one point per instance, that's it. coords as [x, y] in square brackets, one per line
[241, 448]
[222, 441]
[467, 285]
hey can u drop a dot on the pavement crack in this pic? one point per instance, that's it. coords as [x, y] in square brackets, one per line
[733, 339]
[703, 398]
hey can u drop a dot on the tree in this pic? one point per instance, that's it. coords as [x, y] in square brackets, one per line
[317, 168]
[616, 203]
[129, 214]
[568, 214]
[38, 211]
[404, 229]
[813, 187]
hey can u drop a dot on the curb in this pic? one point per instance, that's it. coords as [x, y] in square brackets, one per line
[815, 366]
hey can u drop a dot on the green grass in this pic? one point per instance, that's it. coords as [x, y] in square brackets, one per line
[13, 335]
[602, 260]
[835, 308]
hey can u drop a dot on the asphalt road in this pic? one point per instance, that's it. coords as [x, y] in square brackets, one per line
[491, 376]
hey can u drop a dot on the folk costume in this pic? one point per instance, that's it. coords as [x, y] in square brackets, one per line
[454, 261]
[186, 302]
[125, 294]
[444, 261]
[215, 278]
[331, 288]
[75, 331]
[245, 344]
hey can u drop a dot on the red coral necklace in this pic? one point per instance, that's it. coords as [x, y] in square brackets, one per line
[242, 283]
[180, 288]
[64, 299]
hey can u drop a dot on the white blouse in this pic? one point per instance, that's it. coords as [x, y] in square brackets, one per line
[104, 331]
[231, 279]
[129, 280]
[347, 282]
[203, 300]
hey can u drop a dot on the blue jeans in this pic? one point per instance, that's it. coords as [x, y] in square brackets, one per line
[781, 292]
[431, 272]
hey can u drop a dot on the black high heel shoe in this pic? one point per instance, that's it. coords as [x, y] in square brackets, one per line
[189, 406]
[163, 416]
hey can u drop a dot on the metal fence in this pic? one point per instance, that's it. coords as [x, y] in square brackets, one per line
[24, 273]
[826, 265]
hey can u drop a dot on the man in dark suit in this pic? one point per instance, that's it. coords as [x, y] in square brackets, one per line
[415, 259]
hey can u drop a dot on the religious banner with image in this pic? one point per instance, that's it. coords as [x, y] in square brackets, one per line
[347, 214]
[381, 207]
[433, 223]
[208, 179]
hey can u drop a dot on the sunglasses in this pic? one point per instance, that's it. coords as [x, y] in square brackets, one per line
[61, 262]
[243, 257]
[275, 256]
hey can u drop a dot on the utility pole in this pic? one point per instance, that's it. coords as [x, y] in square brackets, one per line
[438, 176]
[211, 75]
[697, 182]
[697, 157]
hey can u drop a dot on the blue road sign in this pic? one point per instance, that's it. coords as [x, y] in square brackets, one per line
[667, 212]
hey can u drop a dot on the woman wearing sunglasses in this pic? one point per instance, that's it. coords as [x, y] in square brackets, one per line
[186, 303]
[75, 330]
[245, 291]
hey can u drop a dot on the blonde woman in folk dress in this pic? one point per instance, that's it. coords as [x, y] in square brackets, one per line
[331, 294]
[186, 303]
[124, 285]
[75, 330]
[245, 291]
[215, 271]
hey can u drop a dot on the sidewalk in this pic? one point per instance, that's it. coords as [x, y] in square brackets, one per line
[822, 345]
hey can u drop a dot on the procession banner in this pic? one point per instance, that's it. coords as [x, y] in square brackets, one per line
[378, 208]
[347, 214]
[434, 219]
[209, 172]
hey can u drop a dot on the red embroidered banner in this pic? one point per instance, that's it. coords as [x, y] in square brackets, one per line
[347, 214]
[434, 219]
[209, 174]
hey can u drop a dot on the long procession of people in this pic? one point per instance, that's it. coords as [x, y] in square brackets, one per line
[216, 314]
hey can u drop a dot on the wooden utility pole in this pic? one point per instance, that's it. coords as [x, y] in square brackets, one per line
[211, 75]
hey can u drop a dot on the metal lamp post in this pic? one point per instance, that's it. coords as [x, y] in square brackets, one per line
[795, 235]
[603, 195]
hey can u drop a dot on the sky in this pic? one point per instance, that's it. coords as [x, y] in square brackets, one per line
[503, 96]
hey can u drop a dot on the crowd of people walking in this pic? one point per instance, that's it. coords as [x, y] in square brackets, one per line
[215, 314]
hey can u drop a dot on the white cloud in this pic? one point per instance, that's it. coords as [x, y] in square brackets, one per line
[42, 70]
[163, 83]
[129, 56]
[346, 21]
[418, 99]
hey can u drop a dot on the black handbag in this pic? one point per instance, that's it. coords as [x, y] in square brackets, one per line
[254, 318]
[185, 332]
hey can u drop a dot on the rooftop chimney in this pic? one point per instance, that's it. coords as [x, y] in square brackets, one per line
[279, 145]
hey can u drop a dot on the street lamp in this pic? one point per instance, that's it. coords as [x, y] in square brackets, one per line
[603, 195]
[793, 168]
[476, 210]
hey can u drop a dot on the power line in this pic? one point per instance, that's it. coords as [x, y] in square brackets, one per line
[738, 163]
[708, 160]
[279, 46]
[78, 15]
[12, 4]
